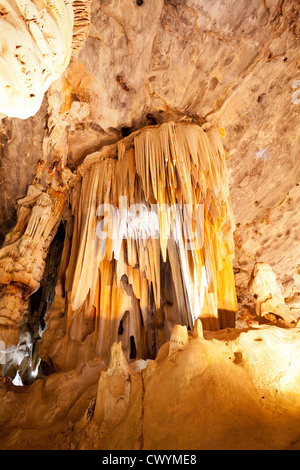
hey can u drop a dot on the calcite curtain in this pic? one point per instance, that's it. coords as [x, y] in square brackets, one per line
[152, 242]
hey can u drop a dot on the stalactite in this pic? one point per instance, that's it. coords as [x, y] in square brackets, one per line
[181, 229]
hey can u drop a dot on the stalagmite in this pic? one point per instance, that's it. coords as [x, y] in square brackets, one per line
[113, 388]
[268, 299]
[152, 239]
[198, 329]
[37, 40]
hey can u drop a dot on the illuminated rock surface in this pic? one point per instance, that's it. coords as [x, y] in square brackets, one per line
[234, 389]
[268, 298]
[36, 47]
[169, 236]
[230, 69]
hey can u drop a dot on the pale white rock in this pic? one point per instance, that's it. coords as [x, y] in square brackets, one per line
[37, 39]
[36, 46]
[267, 294]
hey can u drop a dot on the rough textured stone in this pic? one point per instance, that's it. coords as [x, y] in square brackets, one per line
[233, 64]
[229, 390]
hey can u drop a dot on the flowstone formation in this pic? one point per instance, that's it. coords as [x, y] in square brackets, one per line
[37, 39]
[268, 299]
[226, 390]
[22, 263]
[152, 242]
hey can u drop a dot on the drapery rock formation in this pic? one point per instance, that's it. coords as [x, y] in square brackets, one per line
[128, 100]
[163, 253]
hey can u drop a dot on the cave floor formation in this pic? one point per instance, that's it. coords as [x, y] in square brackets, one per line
[232, 389]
